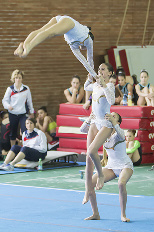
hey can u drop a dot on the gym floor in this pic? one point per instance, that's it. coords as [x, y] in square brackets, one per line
[141, 183]
[50, 200]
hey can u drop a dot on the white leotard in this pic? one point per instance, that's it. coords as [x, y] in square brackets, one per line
[79, 33]
[116, 150]
[102, 99]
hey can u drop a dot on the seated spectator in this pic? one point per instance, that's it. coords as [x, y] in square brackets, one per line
[144, 90]
[129, 79]
[5, 133]
[34, 147]
[75, 93]
[123, 86]
[133, 148]
[46, 124]
[132, 80]
[118, 94]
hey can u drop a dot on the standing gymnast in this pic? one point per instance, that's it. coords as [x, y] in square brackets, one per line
[78, 37]
[119, 164]
[103, 97]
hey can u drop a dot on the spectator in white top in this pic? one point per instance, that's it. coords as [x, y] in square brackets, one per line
[34, 147]
[15, 99]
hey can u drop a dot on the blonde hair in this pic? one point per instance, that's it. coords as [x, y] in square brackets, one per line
[15, 73]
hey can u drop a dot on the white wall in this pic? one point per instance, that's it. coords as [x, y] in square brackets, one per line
[138, 58]
[141, 58]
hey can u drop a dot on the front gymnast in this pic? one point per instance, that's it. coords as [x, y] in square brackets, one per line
[78, 37]
[103, 97]
[119, 164]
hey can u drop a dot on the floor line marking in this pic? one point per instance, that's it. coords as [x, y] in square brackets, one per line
[43, 178]
[68, 190]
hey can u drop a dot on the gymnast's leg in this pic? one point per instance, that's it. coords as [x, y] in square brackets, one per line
[51, 29]
[108, 175]
[124, 176]
[20, 48]
[89, 163]
[98, 141]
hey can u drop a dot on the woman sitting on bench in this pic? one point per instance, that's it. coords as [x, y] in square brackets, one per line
[34, 147]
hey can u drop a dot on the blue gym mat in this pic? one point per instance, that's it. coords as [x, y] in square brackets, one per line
[17, 170]
[29, 209]
[20, 170]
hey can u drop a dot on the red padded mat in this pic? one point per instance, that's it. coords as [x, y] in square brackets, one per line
[145, 135]
[73, 109]
[124, 111]
[137, 123]
[134, 111]
[127, 123]
[148, 158]
[74, 143]
[68, 120]
[111, 57]
[147, 147]
[124, 62]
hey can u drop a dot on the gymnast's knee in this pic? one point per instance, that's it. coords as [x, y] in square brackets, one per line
[91, 152]
[121, 184]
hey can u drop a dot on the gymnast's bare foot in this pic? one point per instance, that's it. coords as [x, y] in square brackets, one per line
[93, 217]
[25, 51]
[19, 50]
[85, 199]
[124, 219]
[100, 183]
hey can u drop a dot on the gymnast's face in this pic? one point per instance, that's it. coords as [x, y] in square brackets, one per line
[29, 125]
[129, 136]
[121, 80]
[75, 83]
[115, 116]
[103, 71]
[144, 78]
[41, 114]
[112, 80]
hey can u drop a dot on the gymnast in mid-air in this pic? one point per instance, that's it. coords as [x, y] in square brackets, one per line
[78, 37]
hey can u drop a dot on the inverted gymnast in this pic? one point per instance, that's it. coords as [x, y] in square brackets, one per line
[78, 36]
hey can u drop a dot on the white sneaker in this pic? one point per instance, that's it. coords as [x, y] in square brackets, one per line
[2, 166]
[7, 167]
